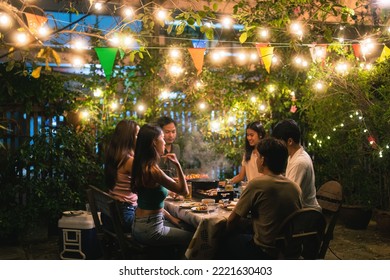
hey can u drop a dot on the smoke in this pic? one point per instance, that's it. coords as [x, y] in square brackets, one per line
[199, 156]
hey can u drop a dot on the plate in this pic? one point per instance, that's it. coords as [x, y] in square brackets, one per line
[229, 207]
[188, 205]
[196, 210]
[72, 213]
[177, 198]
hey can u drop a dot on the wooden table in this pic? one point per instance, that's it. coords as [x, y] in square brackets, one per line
[209, 228]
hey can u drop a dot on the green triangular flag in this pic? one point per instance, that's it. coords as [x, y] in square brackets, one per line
[107, 59]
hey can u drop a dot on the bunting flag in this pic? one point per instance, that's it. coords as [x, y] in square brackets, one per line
[199, 43]
[357, 51]
[385, 54]
[265, 54]
[35, 22]
[197, 55]
[107, 58]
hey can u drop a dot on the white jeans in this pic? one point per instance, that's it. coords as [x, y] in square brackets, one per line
[154, 230]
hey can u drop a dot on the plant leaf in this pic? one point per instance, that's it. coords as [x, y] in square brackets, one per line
[243, 37]
[36, 73]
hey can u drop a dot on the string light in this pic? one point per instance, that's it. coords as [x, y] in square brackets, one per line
[202, 105]
[164, 94]
[162, 14]
[264, 33]
[97, 92]
[370, 138]
[227, 22]
[5, 20]
[141, 108]
[128, 12]
[174, 53]
[85, 114]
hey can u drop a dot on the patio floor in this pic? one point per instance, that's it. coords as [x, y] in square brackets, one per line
[348, 244]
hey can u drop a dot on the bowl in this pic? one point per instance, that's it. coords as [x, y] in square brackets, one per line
[208, 201]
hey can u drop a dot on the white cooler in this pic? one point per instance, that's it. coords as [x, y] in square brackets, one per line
[78, 236]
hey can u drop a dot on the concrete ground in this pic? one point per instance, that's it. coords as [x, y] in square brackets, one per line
[347, 244]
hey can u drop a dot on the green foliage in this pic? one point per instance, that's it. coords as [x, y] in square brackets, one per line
[46, 176]
[354, 108]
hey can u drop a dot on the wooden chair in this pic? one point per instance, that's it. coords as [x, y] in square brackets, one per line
[99, 203]
[115, 243]
[301, 235]
[330, 197]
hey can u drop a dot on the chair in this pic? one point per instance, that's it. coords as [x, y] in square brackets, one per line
[301, 235]
[115, 242]
[330, 197]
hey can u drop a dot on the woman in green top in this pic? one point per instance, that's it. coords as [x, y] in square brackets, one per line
[152, 185]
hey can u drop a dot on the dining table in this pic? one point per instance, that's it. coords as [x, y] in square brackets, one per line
[209, 227]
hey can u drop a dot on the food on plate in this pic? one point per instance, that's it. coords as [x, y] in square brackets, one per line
[210, 192]
[201, 207]
[189, 204]
[196, 176]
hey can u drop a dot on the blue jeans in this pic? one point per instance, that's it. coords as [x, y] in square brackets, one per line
[154, 230]
[128, 211]
[128, 215]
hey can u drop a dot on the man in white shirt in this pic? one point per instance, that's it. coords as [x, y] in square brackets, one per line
[299, 166]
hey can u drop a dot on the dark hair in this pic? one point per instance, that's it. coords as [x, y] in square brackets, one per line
[121, 142]
[287, 129]
[275, 154]
[259, 129]
[145, 155]
[164, 120]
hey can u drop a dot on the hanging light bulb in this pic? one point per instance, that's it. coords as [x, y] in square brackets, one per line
[97, 92]
[162, 14]
[5, 20]
[227, 22]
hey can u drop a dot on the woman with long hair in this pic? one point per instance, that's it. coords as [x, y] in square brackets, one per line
[254, 133]
[153, 225]
[119, 157]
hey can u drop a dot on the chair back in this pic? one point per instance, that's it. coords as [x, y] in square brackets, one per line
[111, 238]
[330, 198]
[301, 234]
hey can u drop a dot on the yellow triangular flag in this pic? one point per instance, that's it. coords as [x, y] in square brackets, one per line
[385, 54]
[35, 22]
[267, 54]
[197, 55]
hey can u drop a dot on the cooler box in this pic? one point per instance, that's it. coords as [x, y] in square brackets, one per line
[78, 238]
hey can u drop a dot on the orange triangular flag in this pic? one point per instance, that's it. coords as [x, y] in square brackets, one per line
[35, 22]
[197, 55]
[357, 50]
[265, 54]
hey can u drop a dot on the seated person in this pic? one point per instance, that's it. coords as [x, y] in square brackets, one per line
[299, 164]
[152, 186]
[168, 126]
[269, 198]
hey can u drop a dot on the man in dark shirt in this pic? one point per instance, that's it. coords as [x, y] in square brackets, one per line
[168, 126]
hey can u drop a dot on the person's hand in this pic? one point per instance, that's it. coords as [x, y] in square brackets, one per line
[171, 157]
[175, 221]
[175, 196]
